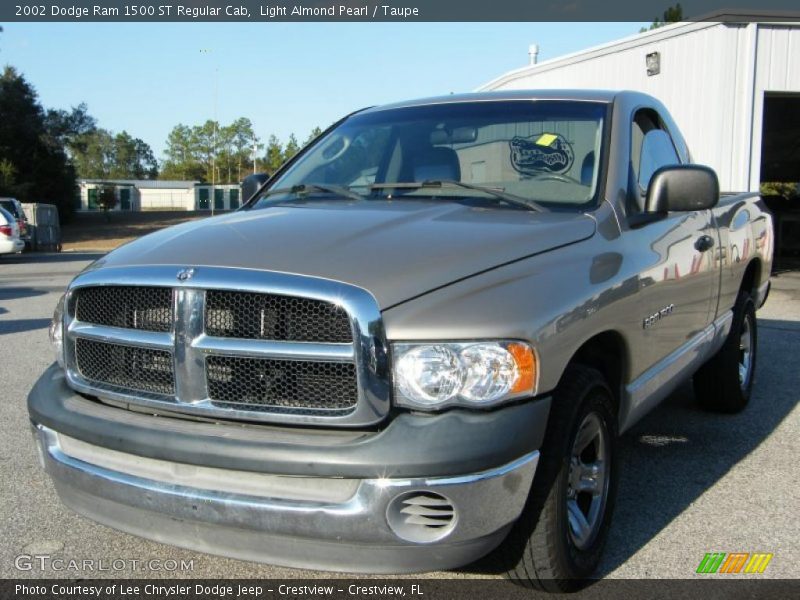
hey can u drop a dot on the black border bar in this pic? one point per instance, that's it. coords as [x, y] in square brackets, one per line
[262, 11]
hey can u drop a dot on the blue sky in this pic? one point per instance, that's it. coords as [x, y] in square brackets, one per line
[145, 78]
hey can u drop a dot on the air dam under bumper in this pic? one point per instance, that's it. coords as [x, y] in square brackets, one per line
[308, 522]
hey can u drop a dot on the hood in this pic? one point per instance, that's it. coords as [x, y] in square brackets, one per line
[396, 250]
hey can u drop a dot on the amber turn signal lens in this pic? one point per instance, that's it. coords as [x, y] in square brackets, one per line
[526, 366]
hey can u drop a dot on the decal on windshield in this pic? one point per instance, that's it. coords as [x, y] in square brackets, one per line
[548, 152]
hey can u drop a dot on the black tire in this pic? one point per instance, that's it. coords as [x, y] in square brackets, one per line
[540, 551]
[718, 385]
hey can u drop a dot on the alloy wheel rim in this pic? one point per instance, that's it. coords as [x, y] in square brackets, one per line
[587, 482]
[745, 353]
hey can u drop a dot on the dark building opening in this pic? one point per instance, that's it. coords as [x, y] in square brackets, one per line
[780, 173]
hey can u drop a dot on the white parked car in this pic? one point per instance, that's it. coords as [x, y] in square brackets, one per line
[14, 206]
[10, 241]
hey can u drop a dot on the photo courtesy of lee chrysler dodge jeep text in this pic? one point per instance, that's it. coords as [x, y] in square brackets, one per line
[415, 345]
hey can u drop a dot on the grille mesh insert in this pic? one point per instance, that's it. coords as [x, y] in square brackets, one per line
[131, 307]
[258, 384]
[271, 317]
[126, 367]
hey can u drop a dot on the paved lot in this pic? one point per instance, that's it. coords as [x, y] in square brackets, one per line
[691, 483]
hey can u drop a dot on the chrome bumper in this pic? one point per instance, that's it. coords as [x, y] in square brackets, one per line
[307, 522]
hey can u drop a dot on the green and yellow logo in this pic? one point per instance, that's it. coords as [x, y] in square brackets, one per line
[735, 562]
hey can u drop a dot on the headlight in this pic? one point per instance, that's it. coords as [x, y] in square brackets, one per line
[57, 331]
[434, 375]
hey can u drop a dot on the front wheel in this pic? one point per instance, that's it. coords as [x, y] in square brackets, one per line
[557, 542]
[725, 382]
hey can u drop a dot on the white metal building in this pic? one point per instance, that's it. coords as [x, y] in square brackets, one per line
[733, 88]
[157, 194]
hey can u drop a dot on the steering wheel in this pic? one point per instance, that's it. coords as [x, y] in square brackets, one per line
[330, 153]
[556, 177]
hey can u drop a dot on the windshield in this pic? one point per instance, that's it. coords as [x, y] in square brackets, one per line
[545, 152]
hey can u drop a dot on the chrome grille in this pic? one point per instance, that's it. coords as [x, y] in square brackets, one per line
[126, 367]
[229, 343]
[272, 317]
[131, 307]
[256, 383]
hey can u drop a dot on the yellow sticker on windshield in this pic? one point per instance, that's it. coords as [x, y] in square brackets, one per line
[546, 139]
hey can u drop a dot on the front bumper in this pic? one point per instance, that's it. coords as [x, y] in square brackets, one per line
[318, 523]
[291, 496]
[11, 245]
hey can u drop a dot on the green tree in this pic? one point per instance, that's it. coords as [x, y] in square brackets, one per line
[292, 148]
[242, 143]
[204, 142]
[8, 173]
[181, 156]
[106, 198]
[772, 188]
[315, 133]
[131, 158]
[192, 150]
[35, 165]
[145, 160]
[226, 155]
[71, 128]
[673, 14]
[100, 154]
[95, 157]
[274, 157]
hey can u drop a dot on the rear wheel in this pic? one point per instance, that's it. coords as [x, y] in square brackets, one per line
[557, 542]
[725, 382]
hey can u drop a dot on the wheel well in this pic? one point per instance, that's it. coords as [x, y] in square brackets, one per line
[752, 275]
[605, 352]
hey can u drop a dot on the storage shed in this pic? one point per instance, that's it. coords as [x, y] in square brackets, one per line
[158, 194]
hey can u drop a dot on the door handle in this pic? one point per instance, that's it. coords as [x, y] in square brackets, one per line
[703, 243]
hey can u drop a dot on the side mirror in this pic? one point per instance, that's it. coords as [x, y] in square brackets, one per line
[251, 183]
[682, 188]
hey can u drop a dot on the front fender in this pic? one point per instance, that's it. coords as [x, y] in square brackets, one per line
[555, 301]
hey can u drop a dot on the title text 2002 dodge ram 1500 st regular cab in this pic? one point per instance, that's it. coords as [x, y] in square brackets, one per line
[415, 344]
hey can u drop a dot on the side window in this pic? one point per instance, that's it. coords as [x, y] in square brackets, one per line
[657, 151]
[651, 147]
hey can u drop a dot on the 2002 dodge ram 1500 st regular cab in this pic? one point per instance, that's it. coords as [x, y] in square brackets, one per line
[416, 343]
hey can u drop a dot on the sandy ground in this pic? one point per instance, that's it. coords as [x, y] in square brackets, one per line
[98, 232]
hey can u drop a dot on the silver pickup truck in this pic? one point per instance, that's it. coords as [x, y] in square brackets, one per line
[417, 343]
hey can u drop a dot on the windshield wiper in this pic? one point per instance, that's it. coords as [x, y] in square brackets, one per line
[499, 194]
[303, 189]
